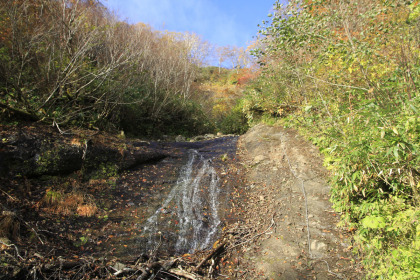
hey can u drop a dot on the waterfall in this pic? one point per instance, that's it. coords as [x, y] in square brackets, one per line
[193, 202]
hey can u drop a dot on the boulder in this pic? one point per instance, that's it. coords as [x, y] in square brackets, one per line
[180, 138]
[33, 152]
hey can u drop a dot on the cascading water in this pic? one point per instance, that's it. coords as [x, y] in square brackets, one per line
[193, 203]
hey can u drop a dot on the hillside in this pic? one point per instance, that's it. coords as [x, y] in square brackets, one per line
[79, 88]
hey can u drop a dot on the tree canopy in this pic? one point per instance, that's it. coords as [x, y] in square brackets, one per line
[73, 62]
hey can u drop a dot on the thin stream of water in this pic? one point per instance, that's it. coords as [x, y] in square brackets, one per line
[195, 201]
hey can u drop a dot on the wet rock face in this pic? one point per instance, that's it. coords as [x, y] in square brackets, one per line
[26, 154]
[190, 209]
[168, 197]
[37, 151]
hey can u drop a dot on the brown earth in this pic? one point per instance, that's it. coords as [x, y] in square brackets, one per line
[287, 204]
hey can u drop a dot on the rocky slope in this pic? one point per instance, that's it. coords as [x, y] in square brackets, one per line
[73, 205]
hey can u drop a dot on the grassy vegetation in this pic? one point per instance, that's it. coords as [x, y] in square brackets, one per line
[346, 74]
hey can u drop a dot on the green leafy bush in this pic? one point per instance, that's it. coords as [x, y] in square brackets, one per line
[348, 72]
[235, 122]
[177, 118]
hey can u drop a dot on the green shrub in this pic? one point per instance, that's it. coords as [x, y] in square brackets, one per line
[235, 122]
[350, 80]
[177, 118]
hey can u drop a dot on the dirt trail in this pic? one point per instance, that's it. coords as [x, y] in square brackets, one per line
[287, 191]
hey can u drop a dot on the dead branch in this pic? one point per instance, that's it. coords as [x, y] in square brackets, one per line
[183, 273]
[124, 271]
[59, 130]
[32, 229]
[219, 250]
[272, 225]
[11, 197]
[12, 245]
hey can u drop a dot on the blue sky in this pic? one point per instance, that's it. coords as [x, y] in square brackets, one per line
[220, 22]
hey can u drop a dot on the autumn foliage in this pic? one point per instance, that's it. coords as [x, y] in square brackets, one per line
[73, 62]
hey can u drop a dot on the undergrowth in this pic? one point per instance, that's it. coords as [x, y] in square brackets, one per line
[346, 74]
[373, 161]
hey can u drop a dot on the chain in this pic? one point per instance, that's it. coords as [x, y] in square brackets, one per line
[306, 211]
